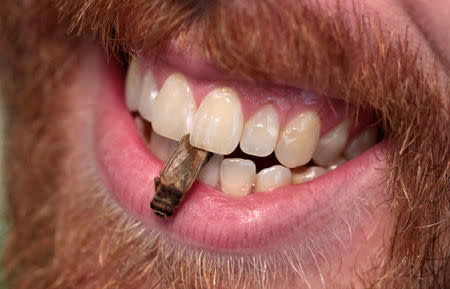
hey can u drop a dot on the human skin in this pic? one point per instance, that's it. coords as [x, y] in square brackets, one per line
[73, 225]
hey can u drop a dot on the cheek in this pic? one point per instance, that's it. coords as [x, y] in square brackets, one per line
[433, 19]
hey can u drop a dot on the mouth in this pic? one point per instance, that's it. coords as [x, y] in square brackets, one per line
[286, 164]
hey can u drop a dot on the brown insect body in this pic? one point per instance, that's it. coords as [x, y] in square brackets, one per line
[177, 177]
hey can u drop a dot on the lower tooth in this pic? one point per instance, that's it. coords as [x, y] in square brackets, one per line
[361, 143]
[272, 178]
[237, 176]
[162, 147]
[305, 174]
[210, 173]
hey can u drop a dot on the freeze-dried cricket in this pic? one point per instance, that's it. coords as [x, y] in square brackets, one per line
[177, 177]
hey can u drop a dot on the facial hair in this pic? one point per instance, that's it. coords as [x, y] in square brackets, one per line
[59, 223]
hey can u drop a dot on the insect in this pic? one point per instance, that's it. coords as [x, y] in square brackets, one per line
[177, 177]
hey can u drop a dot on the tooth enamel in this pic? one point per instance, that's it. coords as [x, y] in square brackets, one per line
[336, 164]
[133, 85]
[237, 176]
[260, 133]
[298, 140]
[210, 173]
[162, 147]
[149, 91]
[305, 174]
[273, 177]
[218, 122]
[361, 143]
[332, 144]
[174, 108]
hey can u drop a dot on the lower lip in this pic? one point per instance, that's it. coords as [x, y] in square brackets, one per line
[208, 218]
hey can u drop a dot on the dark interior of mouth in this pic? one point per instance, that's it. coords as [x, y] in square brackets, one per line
[260, 162]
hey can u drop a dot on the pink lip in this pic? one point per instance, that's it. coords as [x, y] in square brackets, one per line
[208, 218]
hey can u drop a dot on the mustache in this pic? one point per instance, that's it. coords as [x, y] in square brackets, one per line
[332, 55]
[344, 55]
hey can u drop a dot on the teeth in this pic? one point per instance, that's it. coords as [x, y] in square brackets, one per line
[133, 85]
[302, 174]
[261, 132]
[332, 144]
[273, 177]
[336, 164]
[361, 143]
[149, 91]
[298, 140]
[210, 173]
[173, 108]
[218, 122]
[218, 126]
[162, 147]
[237, 176]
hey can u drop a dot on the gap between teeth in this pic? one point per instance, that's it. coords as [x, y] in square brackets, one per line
[217, 125]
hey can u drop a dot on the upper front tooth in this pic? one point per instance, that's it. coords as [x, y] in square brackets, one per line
[149, 91]
[237, 176]
[133, 85]
[173, 108]
[332, 144]
[272, 178]
[364, 141]
[218, 122]
[261, 132]
[298, 140]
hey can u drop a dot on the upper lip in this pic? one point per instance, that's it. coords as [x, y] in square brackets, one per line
[210, 219]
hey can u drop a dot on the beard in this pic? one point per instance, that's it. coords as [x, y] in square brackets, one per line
[67, 232]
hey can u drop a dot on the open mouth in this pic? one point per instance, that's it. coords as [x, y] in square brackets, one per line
[285, 161]
[262, 138]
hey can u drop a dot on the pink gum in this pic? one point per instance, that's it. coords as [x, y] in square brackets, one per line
[288, 101]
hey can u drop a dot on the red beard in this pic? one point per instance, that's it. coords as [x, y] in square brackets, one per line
[67, 233]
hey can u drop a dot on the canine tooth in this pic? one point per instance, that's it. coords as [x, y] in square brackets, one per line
[218, 122]
[260, 133]
[273, 177]
[210, 173]
[336, 164]
[332, 144]
[162, 147]
[361, 143]
[174, 108]
[298, 140]
[237, 176]
[305, 174]
[149, 91]
[133, 85]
